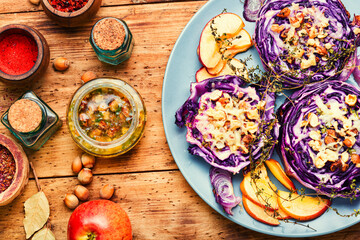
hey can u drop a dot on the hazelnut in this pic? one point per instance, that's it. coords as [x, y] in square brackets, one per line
[88, 160]
[82, 192]
[61, 64]
[71, 201]
[349, 142]
[88, 76]
[107, 191]
[277, 28]
[85, 176]
[76, 165]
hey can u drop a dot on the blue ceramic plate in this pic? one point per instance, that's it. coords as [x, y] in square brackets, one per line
[180, 72]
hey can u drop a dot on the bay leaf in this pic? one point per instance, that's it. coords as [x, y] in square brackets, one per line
[44, 234]
[37, 212]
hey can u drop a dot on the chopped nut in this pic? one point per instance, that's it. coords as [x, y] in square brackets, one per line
[252, 114]
[319, 162]
[312, 32]
[331, 133]
[247, 139]
[315, 145]
[306, 63]
[313, 120]
[344, 157]
[349, 142]
[294, 22]
[284, 13]
[335, 166]
[329, 140]
[315, 135]
[344, 167]
[304, 123]
[355, 158]
[277, 28]
[321, 50]
[331, 155]
[351, 100]
[284, 33]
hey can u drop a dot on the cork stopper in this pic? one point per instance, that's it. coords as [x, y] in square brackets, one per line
[25, 115]
[109, 34]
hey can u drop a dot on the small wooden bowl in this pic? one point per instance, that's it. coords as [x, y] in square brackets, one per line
[21, 176]
[72, 19]
[43, 57]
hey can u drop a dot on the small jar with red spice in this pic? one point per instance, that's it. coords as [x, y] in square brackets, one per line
[112, 40]
[24, 53]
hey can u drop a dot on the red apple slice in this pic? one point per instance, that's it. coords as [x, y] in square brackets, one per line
[218, 68]
[225, 25]
[258, 213]
[233, 67]
[280, 175]
[260, 191]
[242, 41]
[202, 74]
[302, 208]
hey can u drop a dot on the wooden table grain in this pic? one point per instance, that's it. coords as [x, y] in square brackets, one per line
[149, 186]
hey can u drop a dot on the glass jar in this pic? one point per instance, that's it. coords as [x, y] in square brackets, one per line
[119, 54]
[116, 146]
[49, 124]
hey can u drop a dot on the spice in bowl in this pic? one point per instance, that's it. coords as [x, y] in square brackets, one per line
[68, 5]
[18, 53]
[7, 168]
[112, 40]
[25, 115]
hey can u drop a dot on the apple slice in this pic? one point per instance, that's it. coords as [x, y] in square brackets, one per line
[241, 42]
[302, 208]
[225, 25]
[259, 213]
[280, 175]
[202, 74]
[260, 191]
[234, 67]
[218, 68]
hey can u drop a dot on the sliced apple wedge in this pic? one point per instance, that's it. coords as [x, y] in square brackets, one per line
[258, 213]
[225, 25]
[202, 74]
[233, 67]
[218, 68]
[260, 191]
[241, 42]
[280, 175]
[302, 208]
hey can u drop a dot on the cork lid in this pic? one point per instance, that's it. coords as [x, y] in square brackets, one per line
[25, 115]
[109, 34]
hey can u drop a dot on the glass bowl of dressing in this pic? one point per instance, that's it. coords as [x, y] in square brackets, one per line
[106, 117]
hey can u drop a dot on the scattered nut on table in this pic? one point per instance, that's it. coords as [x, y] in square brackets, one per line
[107, 191]
[85, 176]
[71, 201]
[82, 193]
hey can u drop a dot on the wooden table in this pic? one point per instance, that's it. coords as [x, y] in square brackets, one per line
[149, 186]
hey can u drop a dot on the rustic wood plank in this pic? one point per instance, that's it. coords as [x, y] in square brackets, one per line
[144, 70]
[8, 6]
[161, 205]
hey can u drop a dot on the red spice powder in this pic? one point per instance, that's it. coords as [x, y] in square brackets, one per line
[7, 168]
[68, 5]
[18, 53]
